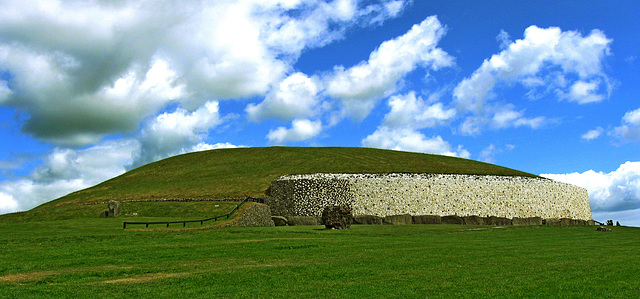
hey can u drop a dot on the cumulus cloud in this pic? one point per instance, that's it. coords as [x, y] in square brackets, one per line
[414, 112]
[615, 191]
[295, 97]
[504, 117]
[630, 128]
[406, 139]
[592, 134]
[172, 133]
[65, 171]
[359, 86]
[301, 129]
[81, 71]
[545, 59]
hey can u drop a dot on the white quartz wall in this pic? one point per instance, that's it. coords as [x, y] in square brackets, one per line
[422, 194]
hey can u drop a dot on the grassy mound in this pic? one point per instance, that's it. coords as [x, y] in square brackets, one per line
[236, 173]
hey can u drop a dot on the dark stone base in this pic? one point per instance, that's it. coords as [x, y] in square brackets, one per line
[427, 219]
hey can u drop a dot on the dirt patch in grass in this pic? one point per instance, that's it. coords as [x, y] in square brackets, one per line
[26, 277]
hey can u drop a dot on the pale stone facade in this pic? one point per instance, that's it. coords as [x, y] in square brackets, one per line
[425, 194]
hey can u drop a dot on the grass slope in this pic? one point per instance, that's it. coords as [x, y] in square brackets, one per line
[235, 173]
[95, 258]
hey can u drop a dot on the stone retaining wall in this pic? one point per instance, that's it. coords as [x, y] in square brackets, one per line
[422, 194]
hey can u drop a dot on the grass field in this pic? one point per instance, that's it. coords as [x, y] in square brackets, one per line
[95, 257]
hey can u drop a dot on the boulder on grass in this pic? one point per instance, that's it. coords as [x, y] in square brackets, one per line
[337, 217]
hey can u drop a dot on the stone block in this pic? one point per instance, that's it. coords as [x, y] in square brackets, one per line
[473, 220]
[494, 220]
[337, 217]
[398, 219]
[452, 219]
[367, 219]
[427, 219]
[552, 221]
[279, 221]
[591, 222]
[114, 208]
[526, 221]
[566, 222]
[303, 220]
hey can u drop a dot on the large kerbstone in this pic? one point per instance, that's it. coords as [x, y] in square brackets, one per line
[493, 220]
[527, 221]
[367, 219]
[452, 219]
[303, 220]
[337, 217]
[473, 220]
[398, 219]
[427, 219]
[279, 221]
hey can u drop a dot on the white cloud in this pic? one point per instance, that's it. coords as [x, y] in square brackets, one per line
[173, 133]
[361, 85]
[487, 154]
[618, 190]
[203, 146]
[405, 139]
[295, 97]
[65, 171]
[412, 112]
[585, 92]
[506, 117]
[592, 134]
[8, 204]
[108, 65]
[301, 129]
[630, 128]
[544, 58]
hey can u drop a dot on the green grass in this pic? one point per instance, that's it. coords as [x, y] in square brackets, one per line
[236, 173]
[94, 257]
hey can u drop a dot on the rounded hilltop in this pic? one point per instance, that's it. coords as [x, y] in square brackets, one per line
[240, 172]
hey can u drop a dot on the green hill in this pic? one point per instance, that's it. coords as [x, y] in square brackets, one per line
[240, 172]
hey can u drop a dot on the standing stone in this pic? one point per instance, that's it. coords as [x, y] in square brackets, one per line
[337, 217]
[114, 209]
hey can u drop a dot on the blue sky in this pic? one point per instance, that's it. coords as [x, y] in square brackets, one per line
[91, 89]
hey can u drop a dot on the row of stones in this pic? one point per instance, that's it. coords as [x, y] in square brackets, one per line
[420, 194]
[434, 219]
